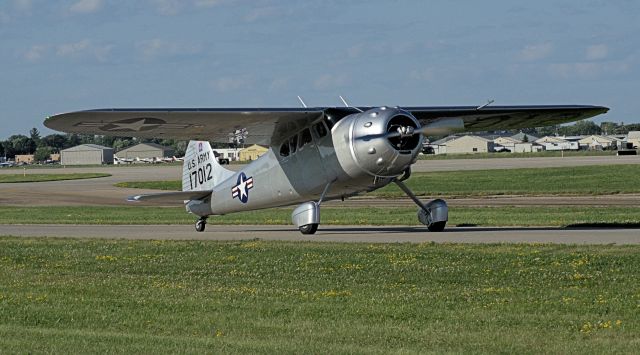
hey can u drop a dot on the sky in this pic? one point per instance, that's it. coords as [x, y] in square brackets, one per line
[68, 55]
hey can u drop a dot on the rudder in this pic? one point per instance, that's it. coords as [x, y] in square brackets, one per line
[200, 169]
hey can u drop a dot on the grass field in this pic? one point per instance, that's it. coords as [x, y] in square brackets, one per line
[480, 216]
[585, 180]
[12, 178]
[96, 296]
[545, 154]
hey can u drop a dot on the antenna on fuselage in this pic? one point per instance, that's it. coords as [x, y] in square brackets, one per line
[302, 102]
[347, 105]
[489, 102]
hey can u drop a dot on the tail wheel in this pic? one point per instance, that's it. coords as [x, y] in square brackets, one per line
[200, 225]
[309, 228]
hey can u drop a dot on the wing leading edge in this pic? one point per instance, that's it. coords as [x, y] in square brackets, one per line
[261, 126]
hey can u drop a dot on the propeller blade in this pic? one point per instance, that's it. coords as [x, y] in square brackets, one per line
[440, 127]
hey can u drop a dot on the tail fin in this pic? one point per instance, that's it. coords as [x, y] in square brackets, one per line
[200, 169]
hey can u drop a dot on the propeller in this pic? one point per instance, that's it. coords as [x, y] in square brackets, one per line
[440, 127]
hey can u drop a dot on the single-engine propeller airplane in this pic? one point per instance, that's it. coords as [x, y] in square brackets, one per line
[315, 153]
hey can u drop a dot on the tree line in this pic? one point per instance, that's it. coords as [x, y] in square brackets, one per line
[43, 147]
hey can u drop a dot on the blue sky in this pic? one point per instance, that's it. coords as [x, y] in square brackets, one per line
[66, 55]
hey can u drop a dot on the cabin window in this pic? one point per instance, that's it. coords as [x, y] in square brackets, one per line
[293, 143]
[284, 149]
[321, 129]
[475, 149]
[305, 137]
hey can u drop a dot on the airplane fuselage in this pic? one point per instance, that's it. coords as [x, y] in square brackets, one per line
[334, 157]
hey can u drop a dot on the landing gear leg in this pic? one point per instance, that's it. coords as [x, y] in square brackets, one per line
[307, 216]
[434, 214]
[200, 224]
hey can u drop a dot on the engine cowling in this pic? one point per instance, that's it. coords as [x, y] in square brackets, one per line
[378, 142]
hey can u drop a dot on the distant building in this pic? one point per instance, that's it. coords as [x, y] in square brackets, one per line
[228, 153]
[522, 137]
[557, 143]
[55, 157]
[469, 144]
[24, 159]
[437, 147]
[507, 143]
[252, 152]
[596, 142]
[86, 154]
[146, 151]
[634, 138]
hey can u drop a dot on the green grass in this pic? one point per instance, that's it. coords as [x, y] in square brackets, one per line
[12, 178]
[583, 180]
[481, 216]
[545, 154]
[97, 296]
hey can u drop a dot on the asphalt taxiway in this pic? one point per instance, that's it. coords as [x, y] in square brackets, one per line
[361, 234]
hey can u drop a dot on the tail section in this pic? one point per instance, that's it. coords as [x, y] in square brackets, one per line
[200, 170]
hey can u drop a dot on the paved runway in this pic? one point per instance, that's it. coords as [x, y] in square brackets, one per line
[362, 234]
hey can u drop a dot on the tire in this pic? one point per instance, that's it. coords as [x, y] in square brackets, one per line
[309, 228]
[437, 226]
[200, 226]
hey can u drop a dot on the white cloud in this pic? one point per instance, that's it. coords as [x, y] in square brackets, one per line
[159, 47]
[86, 6]
[72, 49]
[534, 52]
[424, 75]
[207, 3]
[168, 7]
[23, 5]
[84, 48]
[587, 70]
[35, 53]
[597, 51]
[278, 84]
[260, 13]
[330, 81]
[226, 84]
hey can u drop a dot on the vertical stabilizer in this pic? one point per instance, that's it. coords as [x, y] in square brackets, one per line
[200, 170]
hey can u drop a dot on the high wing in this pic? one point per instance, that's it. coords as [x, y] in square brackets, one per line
[261, 126]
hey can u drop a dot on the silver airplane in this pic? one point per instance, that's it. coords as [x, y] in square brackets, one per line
[315, 154]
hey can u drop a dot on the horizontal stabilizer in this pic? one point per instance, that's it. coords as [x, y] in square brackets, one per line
[171, 197]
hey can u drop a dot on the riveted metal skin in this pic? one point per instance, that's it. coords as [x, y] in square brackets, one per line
[306, 213]
[375, 155]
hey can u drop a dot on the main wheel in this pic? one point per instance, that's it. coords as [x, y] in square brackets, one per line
[309, 228]
[437, 226]
[200, 225]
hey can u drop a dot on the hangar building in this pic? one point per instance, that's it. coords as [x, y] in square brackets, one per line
[86, 154]
[252, 152]
[470, 144]
[146, 151]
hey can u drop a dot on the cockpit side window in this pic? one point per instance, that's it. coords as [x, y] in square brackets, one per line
[284, 149]
[305, 137]
[321, 129]
[293, 143]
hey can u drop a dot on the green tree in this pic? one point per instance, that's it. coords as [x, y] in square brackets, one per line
[42, 154]
[55, 141]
